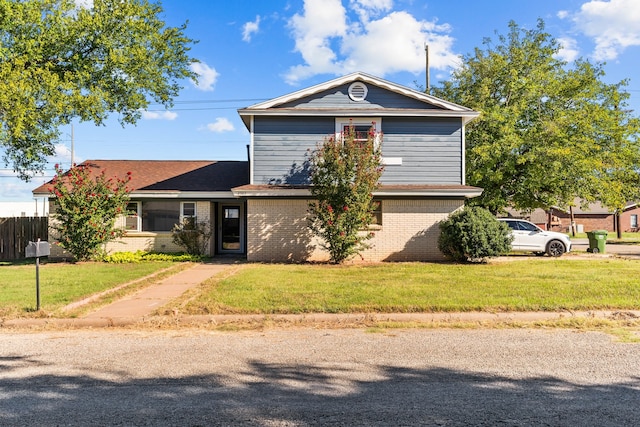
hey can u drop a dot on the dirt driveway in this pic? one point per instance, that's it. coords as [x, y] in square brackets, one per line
[306, 377]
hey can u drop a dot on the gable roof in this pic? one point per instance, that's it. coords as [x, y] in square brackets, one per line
[171, 178]
[270, 107]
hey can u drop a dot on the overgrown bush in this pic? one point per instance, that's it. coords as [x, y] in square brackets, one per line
[344, 174]
[192, 236]
[87, 205]
[473, 234]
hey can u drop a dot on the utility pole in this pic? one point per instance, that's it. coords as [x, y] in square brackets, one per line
[72, 147]
[426, 54]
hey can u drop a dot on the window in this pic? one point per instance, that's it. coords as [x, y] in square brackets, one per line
[160, 215]
[634, 221]
[361, 126]
[188, 211]
[157, 215]
[376, 213]
[132, 220]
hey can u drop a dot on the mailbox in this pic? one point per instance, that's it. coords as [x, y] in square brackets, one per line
[37, 249]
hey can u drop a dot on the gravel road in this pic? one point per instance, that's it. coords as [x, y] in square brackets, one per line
[307, 377]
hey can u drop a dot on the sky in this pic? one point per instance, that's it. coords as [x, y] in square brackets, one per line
[254, 50]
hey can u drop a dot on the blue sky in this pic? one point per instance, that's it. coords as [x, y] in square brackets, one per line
[253, 50]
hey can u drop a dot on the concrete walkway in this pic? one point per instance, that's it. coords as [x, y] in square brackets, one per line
[141, 304]
[136, 307]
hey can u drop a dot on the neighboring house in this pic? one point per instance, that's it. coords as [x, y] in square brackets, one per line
[34, 208]
[263, 213]
[594, 217]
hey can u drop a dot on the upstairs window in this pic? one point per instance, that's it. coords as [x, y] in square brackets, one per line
[361, 126]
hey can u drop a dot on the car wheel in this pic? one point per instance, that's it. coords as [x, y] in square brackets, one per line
[555, 248]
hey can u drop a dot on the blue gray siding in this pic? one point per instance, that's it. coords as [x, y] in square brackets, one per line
[377, 97]
[430, 149]
[282, 145]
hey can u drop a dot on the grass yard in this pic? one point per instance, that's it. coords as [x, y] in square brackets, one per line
[522, 285]
[61, 284]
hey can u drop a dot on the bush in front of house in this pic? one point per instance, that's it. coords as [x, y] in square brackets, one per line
[143, 256]
[192, 236]
[473, 234]
[86, 207]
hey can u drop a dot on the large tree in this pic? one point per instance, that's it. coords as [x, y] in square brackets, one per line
[549, 131]
[63, 59]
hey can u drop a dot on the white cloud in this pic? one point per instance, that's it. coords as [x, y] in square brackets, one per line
[614, 25]
[207, 76]
[367, 8]
[562, 14]
[366, 37]
[568, 49]
[250, 28]
[322, 21]
[159, 115]
[221, 125]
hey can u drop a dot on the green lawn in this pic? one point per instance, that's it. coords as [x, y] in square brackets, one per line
[61, 283]
[518, 285]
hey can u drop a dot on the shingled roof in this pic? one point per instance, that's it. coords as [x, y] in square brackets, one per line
[170, 175]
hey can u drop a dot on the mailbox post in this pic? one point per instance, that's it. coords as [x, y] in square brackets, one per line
[36, 250]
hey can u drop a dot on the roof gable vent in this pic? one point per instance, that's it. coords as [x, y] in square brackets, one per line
[358, 91]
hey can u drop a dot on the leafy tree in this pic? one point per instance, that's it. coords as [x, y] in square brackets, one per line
[547, 132]
[344, 173]
[86, 209]
[473, 234]
[60, 61]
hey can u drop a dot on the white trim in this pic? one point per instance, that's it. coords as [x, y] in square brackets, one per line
[251, 149]
[420, 192]
[463, 178]
[195, 211]
[358, 91]
[196, 195]
[138, 216]
[366, 78]
[343, 121]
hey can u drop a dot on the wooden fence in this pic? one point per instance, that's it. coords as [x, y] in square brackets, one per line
[16, 233]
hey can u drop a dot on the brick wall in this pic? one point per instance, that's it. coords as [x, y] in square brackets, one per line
[156, 241]
[278, 231]
[134, 241]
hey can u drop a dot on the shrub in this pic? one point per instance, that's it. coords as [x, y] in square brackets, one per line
[192, 236]
[473, 234]
[142, 256]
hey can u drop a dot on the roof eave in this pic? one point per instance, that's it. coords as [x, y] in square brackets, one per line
[246, 114]
[167, 194]
[459, 193]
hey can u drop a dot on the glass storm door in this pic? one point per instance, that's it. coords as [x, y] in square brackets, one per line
[231, 229]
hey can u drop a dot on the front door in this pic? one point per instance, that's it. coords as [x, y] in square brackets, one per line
[230, 228]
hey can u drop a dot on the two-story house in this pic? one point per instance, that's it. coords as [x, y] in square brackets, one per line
[265, 217]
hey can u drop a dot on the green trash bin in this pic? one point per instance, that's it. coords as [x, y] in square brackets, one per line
[597, 241]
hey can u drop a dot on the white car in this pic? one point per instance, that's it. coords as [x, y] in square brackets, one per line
[531, 238]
